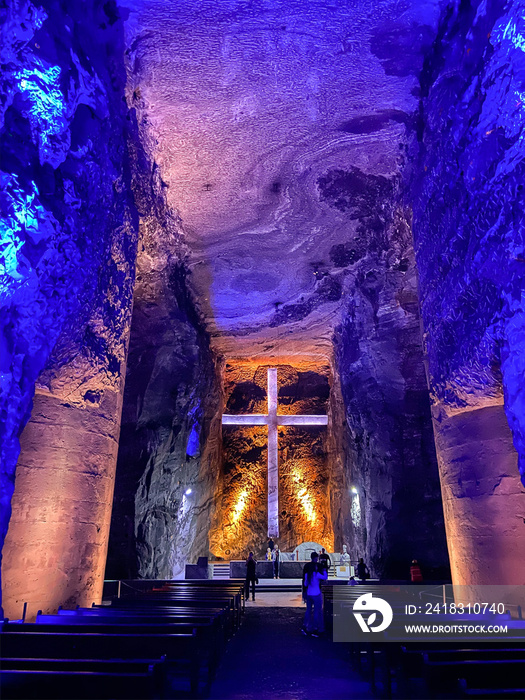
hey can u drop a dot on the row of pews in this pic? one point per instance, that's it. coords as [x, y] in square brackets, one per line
[159, 643]
[433, 669]
[461, 671]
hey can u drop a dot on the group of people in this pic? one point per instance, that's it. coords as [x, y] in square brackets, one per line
[315, 571]
[273, 554]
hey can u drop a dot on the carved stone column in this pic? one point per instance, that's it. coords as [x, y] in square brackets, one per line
[55, 550]
[482, 496]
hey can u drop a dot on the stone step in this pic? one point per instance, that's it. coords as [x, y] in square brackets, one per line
[283, 588]
[221, 571]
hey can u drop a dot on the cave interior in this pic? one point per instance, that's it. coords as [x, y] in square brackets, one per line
[194, 193]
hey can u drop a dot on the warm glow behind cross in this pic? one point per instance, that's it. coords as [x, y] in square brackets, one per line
[272, 420]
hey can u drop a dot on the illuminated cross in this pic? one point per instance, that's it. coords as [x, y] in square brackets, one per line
[272, 420]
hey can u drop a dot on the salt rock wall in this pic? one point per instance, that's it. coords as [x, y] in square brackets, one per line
[67, 249]
[391, 503]
[169, 449]
[468, 190]
[240, 522]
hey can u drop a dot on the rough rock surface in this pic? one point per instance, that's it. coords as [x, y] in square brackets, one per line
[281, 151]
[468, 228]
[67, 250]
[240, 522]
[391, 506]
[170, 431]
[275, 107]
[281, 143]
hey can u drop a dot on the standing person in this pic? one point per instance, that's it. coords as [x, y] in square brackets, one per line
[415, 572]
[313, 618]
[362, 570]
[276, 561]
[271, 544]
[251, 576]
[324, 560]
[268, 554]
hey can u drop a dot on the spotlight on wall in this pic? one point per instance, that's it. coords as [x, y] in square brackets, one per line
[354, 490]
[240, 505]
[188, 491]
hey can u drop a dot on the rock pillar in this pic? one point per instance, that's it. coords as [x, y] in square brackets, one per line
[55, 550]
[482, 496]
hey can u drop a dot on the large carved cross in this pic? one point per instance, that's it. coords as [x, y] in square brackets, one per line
[272, 420]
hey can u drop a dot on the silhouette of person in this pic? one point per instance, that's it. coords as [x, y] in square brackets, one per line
[362, 570]
[324, 560]
[251, 577]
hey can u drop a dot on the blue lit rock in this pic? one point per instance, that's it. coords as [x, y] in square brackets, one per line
[469, 225]
[274, 108]
[68, 245]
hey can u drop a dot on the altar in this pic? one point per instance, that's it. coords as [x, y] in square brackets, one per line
[291, 565]
[264, 569]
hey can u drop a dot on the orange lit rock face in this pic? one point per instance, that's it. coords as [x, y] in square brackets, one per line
[241, 519]
[55, 550]
[56, 546]
[482, 496]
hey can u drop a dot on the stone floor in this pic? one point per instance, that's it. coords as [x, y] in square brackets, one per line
[269, 659]
[276, 600]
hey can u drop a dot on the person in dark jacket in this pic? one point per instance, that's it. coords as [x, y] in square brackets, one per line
[276, 561]
[324, 560]
[362, 570]
[251, 577]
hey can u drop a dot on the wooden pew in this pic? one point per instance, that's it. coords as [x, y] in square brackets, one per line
[484, 672]
[438, 666]
[500, 689]
[182, 651]
[18, 684]
[186, 600]
[209, 631]
[185, 622]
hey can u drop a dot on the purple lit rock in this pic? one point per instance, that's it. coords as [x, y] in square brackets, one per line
[274, 109]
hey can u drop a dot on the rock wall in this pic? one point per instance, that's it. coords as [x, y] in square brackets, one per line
[391, 498]
[240, 521]
[280, 132]
[468, 191]
[170, 436]
[67, 251]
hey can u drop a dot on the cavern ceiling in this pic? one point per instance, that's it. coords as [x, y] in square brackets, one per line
[279, 128]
